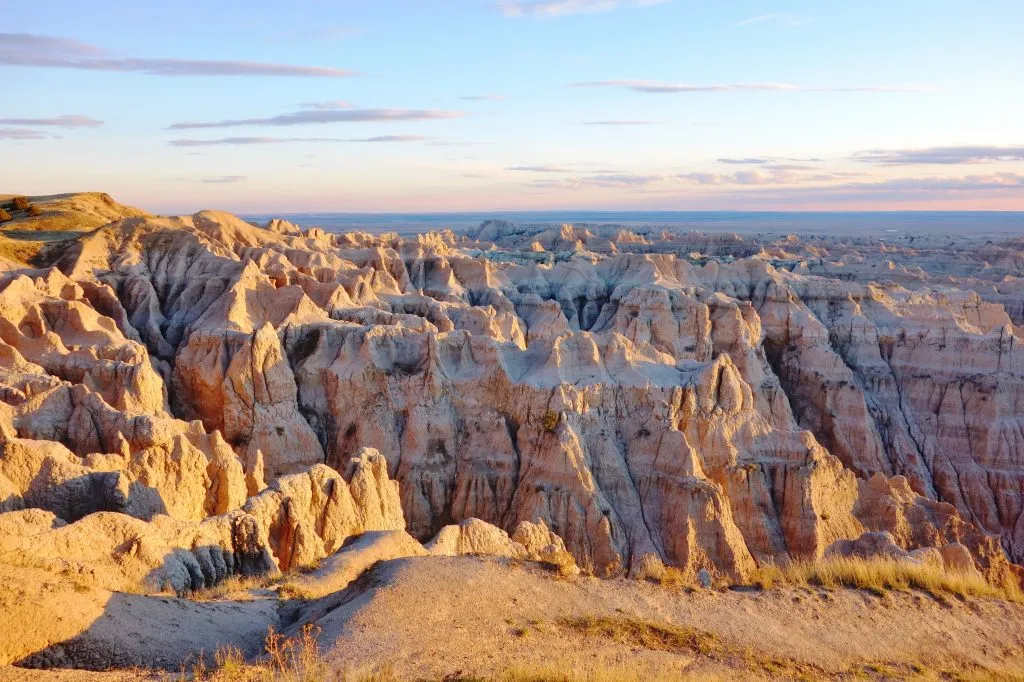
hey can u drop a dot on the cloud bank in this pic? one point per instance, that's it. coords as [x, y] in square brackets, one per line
[223, 179]
[284, 140]
[941, 155]
[314, 116]
[23, 134]
[66, 121]
[539, 169]
[29, 50]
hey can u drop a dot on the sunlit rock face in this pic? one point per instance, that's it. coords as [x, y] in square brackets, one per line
[712, 400]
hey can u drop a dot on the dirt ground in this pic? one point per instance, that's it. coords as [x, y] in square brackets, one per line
[433, 618]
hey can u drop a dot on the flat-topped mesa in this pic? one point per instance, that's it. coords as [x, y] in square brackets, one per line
[710, 400]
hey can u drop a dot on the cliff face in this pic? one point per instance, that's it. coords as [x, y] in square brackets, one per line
[746, 403]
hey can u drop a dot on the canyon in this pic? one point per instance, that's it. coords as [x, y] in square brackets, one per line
[186, 399]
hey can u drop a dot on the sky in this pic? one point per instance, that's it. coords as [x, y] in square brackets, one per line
[477, 105]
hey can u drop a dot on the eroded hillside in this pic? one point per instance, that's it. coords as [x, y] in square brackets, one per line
[206, 396]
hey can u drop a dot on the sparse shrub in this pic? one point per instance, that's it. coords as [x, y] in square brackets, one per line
[34, 210]
[563, 672]
[232, 587]
[292, 590]
[647, 634]
[550, 421]
[288, 659]
[20, 203]
[676, 578]
[4, 216]
[880, 576]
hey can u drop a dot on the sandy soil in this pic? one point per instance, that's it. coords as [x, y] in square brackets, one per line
[63, 623]
[434, 617]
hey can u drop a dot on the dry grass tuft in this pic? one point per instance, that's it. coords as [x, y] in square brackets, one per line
[235, 587]
[676, 639]
[675, 578]
[568, 673]
[288, 659]
[240, 588]
[648, 635]
[880, 576]
[292, 590]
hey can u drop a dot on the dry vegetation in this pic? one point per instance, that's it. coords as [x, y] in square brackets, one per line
[19, 251]
[710, 657]
[235, 587]
[675, 578]
[299, 659]
[287, 659]
[242, 588]
[882, 575]
[564, 673]
[648, 635]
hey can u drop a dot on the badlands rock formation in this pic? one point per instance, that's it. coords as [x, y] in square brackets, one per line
[707, 401]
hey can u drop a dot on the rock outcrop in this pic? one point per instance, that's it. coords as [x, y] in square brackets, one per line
[114, 551]
[711, 401]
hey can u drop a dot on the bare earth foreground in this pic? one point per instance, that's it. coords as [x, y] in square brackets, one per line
[529, 452]
[430, 618]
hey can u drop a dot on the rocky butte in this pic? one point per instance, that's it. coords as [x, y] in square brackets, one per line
[191, 400]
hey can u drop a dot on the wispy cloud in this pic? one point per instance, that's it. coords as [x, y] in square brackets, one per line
[28, 50]
[312, 116]
[787, 18]
[1001, 185]
[789, 167]
[770, 163]
[285, 140]
[991, 181]
[483, 98]
[391, 138]
[658, 87]
[558, 8]
[604, 180]
[621, 180]
[540, 169]
[941, 155]
[774, 183]
[620, 123]
[328, 105]
[66, 121]
[23, 134]
[223, 179]
[769, 174]
[752, 178]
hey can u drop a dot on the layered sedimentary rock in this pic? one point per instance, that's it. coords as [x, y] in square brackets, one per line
[709, 400]
[293, 523]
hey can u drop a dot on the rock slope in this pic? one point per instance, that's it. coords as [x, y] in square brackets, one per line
[711, 401]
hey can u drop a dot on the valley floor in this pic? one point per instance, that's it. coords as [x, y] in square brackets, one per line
[456, 618]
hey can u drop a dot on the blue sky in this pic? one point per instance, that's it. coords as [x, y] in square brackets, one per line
[403, 105]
